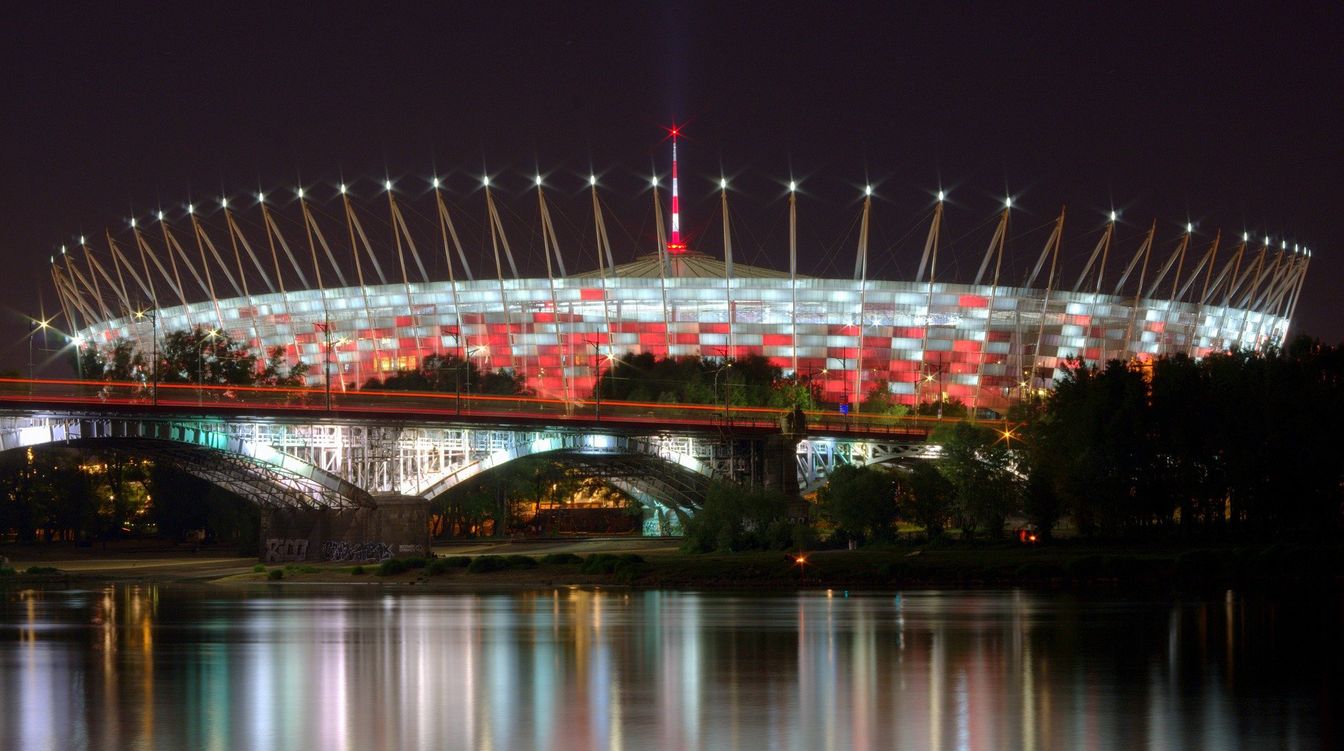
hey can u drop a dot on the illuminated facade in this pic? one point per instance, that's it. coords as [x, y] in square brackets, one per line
[983, 341]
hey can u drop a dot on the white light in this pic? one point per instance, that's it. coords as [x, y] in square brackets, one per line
[1189, 228]
[300, 192]
[81, 240]
[160, 216]
[1285, 244]
[485, 181]
[867, 190]
[341, 188]
[538, 181]
[1267, 242]
[434, 183]
[261, 198]
[941, 196]
[388, 185]
[1245, 237]
[191, 209]
[62, 250]
[793, 186]
[223, 203]
[654, 181]
[723, 183]
[1113, 215]
[1008, 202]
[132, 222]
[592, 179]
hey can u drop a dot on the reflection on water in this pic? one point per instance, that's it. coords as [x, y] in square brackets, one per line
[287, 668]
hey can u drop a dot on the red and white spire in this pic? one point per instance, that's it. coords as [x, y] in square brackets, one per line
[675, 245]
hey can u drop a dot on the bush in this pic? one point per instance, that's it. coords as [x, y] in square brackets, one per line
[259, 569]
[521, 561]
[610, 563]
[43, 570]
[276, 574]
[456, 561]
[560, 559]
[5, 571]
[734, 518]
[357, 571]
[487, 563]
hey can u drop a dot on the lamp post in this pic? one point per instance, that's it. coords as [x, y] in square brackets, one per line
[153, 316]
[200, 365]
[326, 360]
[597, 380]
[37, 325]
[722, 368]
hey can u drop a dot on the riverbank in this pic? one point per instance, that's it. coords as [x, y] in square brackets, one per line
[658, 564]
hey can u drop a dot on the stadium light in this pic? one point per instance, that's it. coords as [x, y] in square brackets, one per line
[538, 180]
[160, 216]
[81, 239]
[1189, 228]
[132, 222]
[62, 250]
[341, 188]
[1008, 202]
[1245, 237]
[723, 183]
[1267, 241]
[867, 190]
[300, 192]
[941, 196]
[654, 181]
[434, 183]
[592, 180]
[1285, 244]
[191, 209]
[261, 198]
[485, 181]
[387, 185]
[1113, 217]
[793, 186]
[223, 202]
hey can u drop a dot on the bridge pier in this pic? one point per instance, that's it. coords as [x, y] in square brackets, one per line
[397, 526]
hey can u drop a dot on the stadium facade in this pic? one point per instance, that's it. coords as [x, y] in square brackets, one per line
[278, 282]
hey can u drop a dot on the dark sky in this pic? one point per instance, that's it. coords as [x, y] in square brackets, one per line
[1226, 115]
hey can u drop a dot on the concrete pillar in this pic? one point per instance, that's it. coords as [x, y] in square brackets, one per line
[397, 527]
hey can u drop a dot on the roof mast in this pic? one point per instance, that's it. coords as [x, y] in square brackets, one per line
[675, 246]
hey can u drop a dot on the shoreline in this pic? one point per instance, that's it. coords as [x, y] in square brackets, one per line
[1056, 567]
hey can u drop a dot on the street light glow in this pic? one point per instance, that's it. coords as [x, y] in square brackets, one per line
[434, 183]
[1008, 202]
[592, 179]
[723, 183]
[1113, 216]
[387, 184]
[341, 188]
[941, 196]
[793, 186]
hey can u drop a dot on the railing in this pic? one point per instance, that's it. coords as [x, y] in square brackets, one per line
[472, 407]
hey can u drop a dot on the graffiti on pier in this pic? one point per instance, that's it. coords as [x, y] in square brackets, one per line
[336, 550]
[280, 550]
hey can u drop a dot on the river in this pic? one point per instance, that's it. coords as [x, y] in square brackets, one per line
[288, 667]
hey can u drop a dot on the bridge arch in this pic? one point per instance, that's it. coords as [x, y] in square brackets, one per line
[252, 470]
[653, 472]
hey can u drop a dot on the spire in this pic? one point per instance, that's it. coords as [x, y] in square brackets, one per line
[675, 246]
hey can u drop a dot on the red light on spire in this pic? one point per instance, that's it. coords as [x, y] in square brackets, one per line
[674, 244]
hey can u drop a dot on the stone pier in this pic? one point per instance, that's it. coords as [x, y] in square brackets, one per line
[398, 526]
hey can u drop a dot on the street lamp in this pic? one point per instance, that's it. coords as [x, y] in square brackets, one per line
[153, 316]
[597, 379]
[37, 325]
[722, 368]
[200, 365]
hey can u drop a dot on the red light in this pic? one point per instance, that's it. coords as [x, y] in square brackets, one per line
[676, 248]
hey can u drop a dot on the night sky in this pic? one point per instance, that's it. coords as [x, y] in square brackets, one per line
[1226, 116]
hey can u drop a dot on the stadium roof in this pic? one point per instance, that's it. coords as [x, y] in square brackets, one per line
[689, 265]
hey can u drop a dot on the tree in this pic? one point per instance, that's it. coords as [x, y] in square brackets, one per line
[278, 371]
[977, 463]
[880, 401]
[860, 502]
[924, 497]
[736, 518]
[209, 358]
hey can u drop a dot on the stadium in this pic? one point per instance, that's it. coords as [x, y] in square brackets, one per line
[304, 276]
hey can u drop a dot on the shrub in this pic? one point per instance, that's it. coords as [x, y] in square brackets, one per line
[610, 563]
[276, 574]
[5, 571]
[357, 571]
[456, 561]
[259, 569]
[521, 561]
[394, 566]
[560, 559]
[486, 563]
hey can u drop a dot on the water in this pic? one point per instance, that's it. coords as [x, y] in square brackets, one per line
[290, 667]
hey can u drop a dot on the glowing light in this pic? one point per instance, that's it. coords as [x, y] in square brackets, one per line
[867, 190]
[261, 198]
[1267, 240]
[1113, 216]
[1189, 228]
[191, 209]
[654, 181]
[223, 202]
[434, 183]
[793, 186]
[1008, 202]
[132, 222]
[723, 183]
[941, 196]
[81, 240]
[1245, 237]
[160, 216]
[485, 181]
[62, 250]
[538, 180]
[1285, 244]
[592, 179]
[341, 188]
[387, 185]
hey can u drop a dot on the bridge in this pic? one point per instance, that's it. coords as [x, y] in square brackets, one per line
[307, 454]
